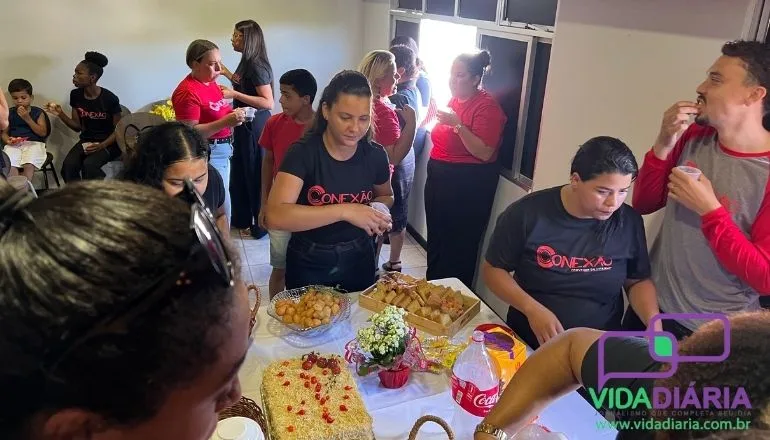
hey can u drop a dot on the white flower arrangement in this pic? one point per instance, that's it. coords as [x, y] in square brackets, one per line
[386, 335]
[389, 343]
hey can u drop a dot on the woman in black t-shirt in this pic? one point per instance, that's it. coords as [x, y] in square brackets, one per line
[168, 154]
[325, 190]
[573, 249]
[252, 87]
[95, 113]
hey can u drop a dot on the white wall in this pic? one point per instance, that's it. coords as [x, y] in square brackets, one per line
[145, 41]
[376, 24]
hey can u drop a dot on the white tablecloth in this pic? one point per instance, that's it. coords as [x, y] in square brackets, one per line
[395, 411]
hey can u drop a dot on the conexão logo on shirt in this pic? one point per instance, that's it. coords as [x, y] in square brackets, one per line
[317, 196]
[91, 115]
[548, 258]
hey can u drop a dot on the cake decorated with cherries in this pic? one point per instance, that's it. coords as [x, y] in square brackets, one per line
[314, 397]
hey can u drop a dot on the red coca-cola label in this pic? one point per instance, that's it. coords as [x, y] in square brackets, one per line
[470, 398]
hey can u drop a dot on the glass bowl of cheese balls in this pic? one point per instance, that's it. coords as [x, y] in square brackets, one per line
[310, 310]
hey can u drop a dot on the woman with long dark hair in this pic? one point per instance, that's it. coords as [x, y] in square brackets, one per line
[171, 153]
[252, 87]
[462, 172]
[325, 190]
[573, 249]
[121, 312]
[95, 113]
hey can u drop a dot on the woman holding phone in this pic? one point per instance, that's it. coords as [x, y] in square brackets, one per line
[252, 90]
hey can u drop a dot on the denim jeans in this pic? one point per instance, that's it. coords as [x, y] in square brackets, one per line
[220, 160]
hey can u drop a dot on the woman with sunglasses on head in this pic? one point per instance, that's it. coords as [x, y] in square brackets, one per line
[120, 313]
[198, 101]
[328, 190]
[252, 87]
[462, 172]
[169, 154]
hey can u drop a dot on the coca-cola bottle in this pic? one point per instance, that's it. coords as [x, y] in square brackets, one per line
[475, 384]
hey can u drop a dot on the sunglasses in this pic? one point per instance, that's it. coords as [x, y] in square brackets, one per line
[207, 253]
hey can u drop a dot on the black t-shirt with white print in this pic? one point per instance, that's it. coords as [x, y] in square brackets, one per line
[561, 262]
[329, 181]
[96, 115]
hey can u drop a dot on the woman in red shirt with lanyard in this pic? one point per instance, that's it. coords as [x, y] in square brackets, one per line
[462, 172]
[198, 101]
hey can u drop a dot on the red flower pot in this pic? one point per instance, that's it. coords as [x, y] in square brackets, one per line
[394, 378]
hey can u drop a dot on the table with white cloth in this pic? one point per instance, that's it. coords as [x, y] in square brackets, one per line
[395, 411]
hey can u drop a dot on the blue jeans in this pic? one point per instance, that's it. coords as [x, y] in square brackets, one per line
[220, 160]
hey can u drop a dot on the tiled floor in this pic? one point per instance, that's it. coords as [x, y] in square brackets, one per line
[255, 258]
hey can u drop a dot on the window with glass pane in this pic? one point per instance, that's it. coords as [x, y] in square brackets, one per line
[535, 110]
[408, 29]
[504, 81]
[542, 12]
[478, 9]
[440, 7]
[410, 4]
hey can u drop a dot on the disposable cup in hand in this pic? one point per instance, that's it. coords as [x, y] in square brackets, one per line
[691, 171]
[379, 206]
[250, 112]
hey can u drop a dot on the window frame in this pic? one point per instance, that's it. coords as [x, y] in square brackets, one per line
[411, 17]
[532, 35]
[514, 174]
[503, 6]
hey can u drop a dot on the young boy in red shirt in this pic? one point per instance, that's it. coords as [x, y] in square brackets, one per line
[298, 89]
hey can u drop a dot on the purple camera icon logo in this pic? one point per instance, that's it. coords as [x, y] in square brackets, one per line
[663, 347]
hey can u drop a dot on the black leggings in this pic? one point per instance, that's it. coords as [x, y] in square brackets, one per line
[348, 266]
[458, 201]
[78, 165]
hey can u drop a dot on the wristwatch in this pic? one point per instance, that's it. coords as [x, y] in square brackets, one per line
[457, 128]
[486, 428]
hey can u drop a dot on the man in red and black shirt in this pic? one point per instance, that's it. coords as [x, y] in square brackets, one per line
[713, 251]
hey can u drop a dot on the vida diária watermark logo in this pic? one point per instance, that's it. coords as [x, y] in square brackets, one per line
[664, 348]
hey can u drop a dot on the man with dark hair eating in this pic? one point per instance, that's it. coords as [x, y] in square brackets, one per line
[713, 251]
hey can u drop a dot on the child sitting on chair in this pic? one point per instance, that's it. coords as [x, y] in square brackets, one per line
[27, 130]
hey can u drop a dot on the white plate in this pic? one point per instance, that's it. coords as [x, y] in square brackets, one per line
[238, 428]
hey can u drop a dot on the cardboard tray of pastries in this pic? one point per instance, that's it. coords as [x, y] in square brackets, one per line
[432, 308]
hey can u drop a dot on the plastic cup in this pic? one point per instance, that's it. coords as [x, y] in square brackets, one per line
[250, 112]
[691, 171]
